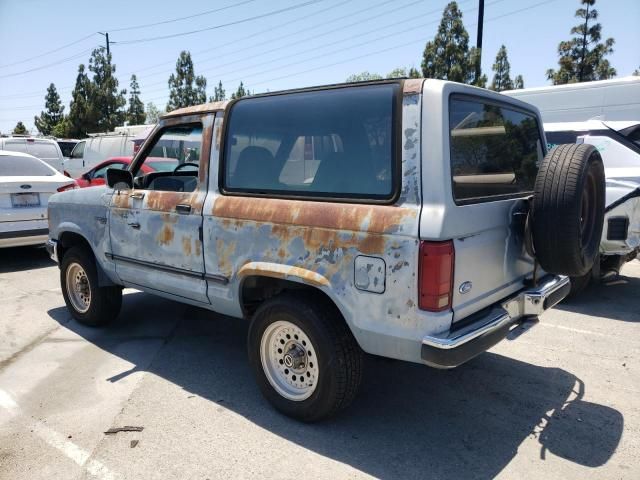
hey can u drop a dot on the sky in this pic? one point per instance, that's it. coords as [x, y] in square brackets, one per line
[273, 45]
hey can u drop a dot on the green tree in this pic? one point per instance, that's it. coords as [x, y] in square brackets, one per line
[582, 57]
[219, 94]
[135, 112]
[402, 72]
[105, 98]
[448, 56]
[518, 83]
[501, 72]
[152, 113]
[185, 88]
[240, 92]
[20, 129]
[363, 77]
[62, 129]
[82, 114]
[53, 114]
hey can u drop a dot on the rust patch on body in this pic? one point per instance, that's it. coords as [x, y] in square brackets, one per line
[186, 246]
[197, 109]
[283, 271]
[165, 236]
[378, 219]
[412, 86]
[224, 252]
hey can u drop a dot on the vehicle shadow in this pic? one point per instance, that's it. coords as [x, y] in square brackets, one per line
[614, 299]
[409, 421]
[18, 259]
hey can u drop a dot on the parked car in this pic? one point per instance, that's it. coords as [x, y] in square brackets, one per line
[620, 153]
[419, 220]
[26, 183]
[45, 149]
[97, 175]
[66, 146]
[89, 152]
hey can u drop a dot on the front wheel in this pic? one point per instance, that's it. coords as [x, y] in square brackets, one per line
[304, 357]
[88, 303]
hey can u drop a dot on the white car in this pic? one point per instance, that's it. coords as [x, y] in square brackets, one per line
[45, 149]
[617, 142]
[26, 183]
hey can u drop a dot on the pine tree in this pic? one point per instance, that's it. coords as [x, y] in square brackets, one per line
[53, 114]
[240, 92]
[448, 56]
[185, 88]
[20, 129]
[219, 93]
[582, 57]
[518, 83]
[152, 113]
[82, 115]
[107, 101]
[135, 112]
[502, 72]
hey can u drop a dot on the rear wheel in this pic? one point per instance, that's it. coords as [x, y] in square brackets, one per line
[568, 209]
[88, 303]
[304, 357]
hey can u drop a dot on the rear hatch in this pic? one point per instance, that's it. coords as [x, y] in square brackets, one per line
[494, 151]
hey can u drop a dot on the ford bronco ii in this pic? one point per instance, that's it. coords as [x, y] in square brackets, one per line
[419, 220]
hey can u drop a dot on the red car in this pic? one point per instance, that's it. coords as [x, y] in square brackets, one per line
[97, 175]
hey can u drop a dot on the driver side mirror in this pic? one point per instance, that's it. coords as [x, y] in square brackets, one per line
[87, 176]
[119, 179]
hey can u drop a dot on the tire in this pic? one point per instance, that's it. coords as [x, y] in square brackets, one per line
[578, 284]
[568, 209]
[331, 383]
[90, 304]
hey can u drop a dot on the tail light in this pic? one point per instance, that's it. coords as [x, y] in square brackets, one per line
[69, 186]
[435, 275]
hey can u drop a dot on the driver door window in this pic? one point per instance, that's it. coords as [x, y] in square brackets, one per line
[173, 160]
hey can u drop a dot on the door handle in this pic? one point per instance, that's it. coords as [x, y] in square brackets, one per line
[135, 225]
[137, 195]
[183, 208]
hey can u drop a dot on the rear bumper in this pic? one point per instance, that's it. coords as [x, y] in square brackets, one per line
[456, 347]
[23, 237]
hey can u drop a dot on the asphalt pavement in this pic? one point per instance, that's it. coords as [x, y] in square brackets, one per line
[557, 399]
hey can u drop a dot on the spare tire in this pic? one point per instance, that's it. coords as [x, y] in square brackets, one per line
[568, 209]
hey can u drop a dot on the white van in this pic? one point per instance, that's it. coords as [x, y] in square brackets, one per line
[89, 152]
[45, 149]
[608, 100]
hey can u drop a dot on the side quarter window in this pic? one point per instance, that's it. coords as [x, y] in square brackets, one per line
[78, 150]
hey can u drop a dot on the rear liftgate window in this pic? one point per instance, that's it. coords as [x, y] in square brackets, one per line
[495, 151]
[336, 143]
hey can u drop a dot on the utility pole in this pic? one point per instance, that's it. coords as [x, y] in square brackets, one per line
[479, 40]
[106, 35]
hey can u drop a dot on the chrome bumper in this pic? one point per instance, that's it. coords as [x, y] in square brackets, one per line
[479, 334]
[52, 249]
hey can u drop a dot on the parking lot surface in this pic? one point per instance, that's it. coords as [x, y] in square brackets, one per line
[558, 399]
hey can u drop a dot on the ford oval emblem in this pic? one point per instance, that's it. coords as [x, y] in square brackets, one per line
[25, 187]
[465, 287]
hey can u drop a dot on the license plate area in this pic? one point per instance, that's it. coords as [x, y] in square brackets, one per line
[25, 200]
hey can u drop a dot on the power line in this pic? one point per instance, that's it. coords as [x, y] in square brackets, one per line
[236, 22]
[303, 40]
[53, 64]
[49, 52]
[164, 22]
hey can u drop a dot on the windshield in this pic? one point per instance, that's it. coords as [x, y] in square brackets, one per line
[14, 166]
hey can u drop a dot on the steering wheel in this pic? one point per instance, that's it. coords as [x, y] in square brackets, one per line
[186, 164]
